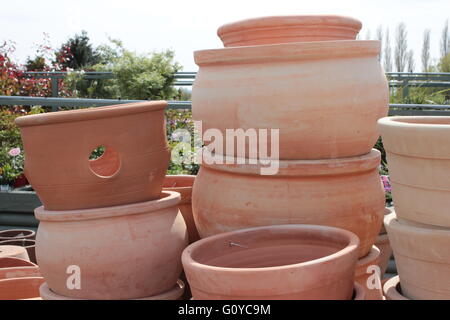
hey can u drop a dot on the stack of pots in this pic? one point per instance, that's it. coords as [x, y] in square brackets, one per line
[324, 91]
[107, 229]
[418, 154]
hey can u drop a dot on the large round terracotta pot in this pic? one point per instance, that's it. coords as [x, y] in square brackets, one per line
[276, 262]
[123, 252]
[172, 294]
[366, 275]
[132, 168]
[418, 154]
[183, 185]
[343, 193]
[20, 288]
[313, 92]
[422, 257]
[392, 289]
[16, 234]
[284, 29]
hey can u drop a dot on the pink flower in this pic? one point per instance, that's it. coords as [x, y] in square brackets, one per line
[14, 152]
[386, 183]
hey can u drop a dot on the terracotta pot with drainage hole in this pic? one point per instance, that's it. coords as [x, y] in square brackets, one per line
[132, 169]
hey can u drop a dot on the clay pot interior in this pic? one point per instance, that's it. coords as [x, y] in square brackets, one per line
[424, 120]
[256, 249]
[12, 234]
[107, 165]
[392, 289]
[13, 252]
[28, 244]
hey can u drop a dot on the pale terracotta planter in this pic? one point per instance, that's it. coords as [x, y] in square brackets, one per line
[123, 252]
[422, 257]
[366, 277]
[313, 92]
[20, 288]
[382, 243]
[16, 234]
[264, 263]
[387, 211]
[183, 185]
[284, 29]
[343, 193]
[174, 293]
[28, 244]
[132, 169]
[418, 154]
[392, 289]
[13, 252]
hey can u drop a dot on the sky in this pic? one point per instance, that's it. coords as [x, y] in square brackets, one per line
[189, 25]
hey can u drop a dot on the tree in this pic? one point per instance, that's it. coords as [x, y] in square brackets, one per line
[445, 40]
[380, 38]
[426, 51]
[401, 47]
[36, 64]
[387, 52]
[81, 52]
[410, 65]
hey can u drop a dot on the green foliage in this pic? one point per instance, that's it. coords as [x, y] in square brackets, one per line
[11, 164]
[82, 54]
[444, 64]
[36, 64]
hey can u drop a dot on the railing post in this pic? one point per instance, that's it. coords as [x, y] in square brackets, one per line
[55, 91]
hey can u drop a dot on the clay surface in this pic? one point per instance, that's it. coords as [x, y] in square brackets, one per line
[366, 277]
[276, 262]
[392, 289]
[20, 288]
[13, 252]
[123, 252]
[344, 193]
[131, 170]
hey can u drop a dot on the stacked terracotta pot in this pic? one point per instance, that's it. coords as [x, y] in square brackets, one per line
[107, 230]
[418, 154]
[307, 77]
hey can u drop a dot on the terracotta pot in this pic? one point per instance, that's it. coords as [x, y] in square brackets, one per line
[387, 211]
[131, 170]
[418, 154]
[367, 277]
[19, 272]
[313, 92]
[343, 193]
[392, 289]
[20, 288]
[29, 245]
[123, 252]
[264, 263]
[422, 257]
[13, 252]
[358, 292]
[383, 244]
[15, 234]
[183, 185]
[173, 294]
[9, 262]
[284, 29]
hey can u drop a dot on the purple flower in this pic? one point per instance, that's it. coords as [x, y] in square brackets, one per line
[386, 183]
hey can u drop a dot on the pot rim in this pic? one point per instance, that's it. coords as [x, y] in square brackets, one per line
[391, 289]
[391, 221]
[370, 259]
[281, 21]
[168, 199]
[401, 122]
[291, 51]
[185, 177]
[174, 293]
[111, 111]
[319, 167]
[352, 246]
[26, 243]
[27, 234]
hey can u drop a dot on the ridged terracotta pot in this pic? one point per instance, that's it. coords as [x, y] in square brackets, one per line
[367, 276]
[123, 252]
[383, 244]
[183, 185]
[28, 244]
[287, 262]
[20, 288]
[284, 29]
[132, 168]
[16, 234]
[418, 154]
[7, 251]
[172, 294]
[422, 257]
[313, 92]
[392, 289]
[343, 193]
